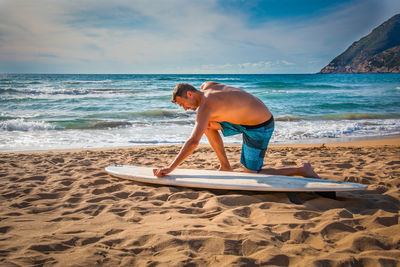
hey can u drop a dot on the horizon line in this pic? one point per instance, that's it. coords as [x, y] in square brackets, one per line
[68, 73]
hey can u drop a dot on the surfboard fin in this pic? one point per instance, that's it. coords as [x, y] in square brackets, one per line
[293, 198]
[331, 195]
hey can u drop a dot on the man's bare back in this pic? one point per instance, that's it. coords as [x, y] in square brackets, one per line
[233, 105]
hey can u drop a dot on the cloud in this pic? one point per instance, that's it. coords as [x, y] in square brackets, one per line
[181, 36]
[287, 63]
[106, 16]
[42, 55]
[257, 67]
[168, 32]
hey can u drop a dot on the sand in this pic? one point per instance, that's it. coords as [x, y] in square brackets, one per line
[59, 208]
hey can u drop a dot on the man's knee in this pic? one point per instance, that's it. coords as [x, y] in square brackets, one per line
[212, 130]
[212, 125]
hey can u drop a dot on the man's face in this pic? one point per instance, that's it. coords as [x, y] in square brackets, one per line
[188, 102]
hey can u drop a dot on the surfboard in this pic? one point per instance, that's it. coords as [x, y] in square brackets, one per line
[231, 180]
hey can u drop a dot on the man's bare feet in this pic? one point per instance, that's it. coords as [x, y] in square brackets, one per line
[225, 169]
[308, 171]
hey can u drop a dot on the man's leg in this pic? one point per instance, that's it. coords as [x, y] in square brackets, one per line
[253, 153]
[305, 170]
[215, 140]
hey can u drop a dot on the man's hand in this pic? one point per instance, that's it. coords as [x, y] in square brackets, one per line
[160, 172]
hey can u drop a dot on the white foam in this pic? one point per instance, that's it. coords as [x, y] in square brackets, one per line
[87, 81]
[104, 138]
[25, 135]
[22, 125]
[305, 130]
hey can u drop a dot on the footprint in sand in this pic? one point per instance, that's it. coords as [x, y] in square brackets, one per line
[5, 229]
[182, 195]
[336, 231]
[122, 195]
[107, 190]
[65, 218]
[90, 240]
[74, 200]
[92, 210]
[365, 242]
[32, 178]
[242, 212]
[42, 196]
[100, 182]
[191, 211]
[306, 215]
[174, 233]
[119, 212]
[388, 220]
[113, 242]
[233, 247]
[346, 165]
[100, 199]
[67, 182]
[277, 260]
[55, 247]
[234, 200]
[21, 205]
[11, 195]
[113, 232]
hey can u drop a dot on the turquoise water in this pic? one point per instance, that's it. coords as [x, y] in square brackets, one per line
[46, 111]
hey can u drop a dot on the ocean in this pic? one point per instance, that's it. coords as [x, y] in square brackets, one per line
[62, 111]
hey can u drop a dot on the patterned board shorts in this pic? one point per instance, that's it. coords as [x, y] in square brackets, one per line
[255, 141]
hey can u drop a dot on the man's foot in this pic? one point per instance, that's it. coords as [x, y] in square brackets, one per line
[308, 171]
[225, 169]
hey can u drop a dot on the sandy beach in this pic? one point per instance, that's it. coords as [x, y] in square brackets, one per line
[60, 208]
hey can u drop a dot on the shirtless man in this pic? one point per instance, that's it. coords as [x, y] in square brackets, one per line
[234, 111]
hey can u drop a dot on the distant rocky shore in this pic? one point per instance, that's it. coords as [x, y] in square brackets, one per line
[378, 52]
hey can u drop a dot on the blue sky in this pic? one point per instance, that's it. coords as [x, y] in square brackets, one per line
[177, 36]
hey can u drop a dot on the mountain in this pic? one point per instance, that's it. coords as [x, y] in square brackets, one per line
[378, 52]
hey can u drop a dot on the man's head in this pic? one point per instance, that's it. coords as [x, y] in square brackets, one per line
[181, 91]
[185, 95]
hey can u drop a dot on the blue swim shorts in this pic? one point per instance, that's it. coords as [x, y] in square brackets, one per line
[255, 141]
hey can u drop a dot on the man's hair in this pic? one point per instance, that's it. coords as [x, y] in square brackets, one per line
[180, 90]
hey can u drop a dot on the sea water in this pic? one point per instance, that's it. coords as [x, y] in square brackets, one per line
[58, 111]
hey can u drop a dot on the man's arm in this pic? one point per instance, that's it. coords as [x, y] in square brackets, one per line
[215, 140]
[202, 118]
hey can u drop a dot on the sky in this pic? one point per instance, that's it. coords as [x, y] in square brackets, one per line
[182, 36]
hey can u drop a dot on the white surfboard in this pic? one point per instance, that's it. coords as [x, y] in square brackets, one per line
[231, 180]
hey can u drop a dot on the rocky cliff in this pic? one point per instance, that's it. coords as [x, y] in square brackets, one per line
[378, 52]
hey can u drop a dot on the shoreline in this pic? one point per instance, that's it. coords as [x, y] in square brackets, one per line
[377, 141]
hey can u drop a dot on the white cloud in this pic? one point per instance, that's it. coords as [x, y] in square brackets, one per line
[247, 67]
[174, 37]
[287, 63]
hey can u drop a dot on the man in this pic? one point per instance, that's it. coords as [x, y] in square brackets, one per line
[234, 111]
